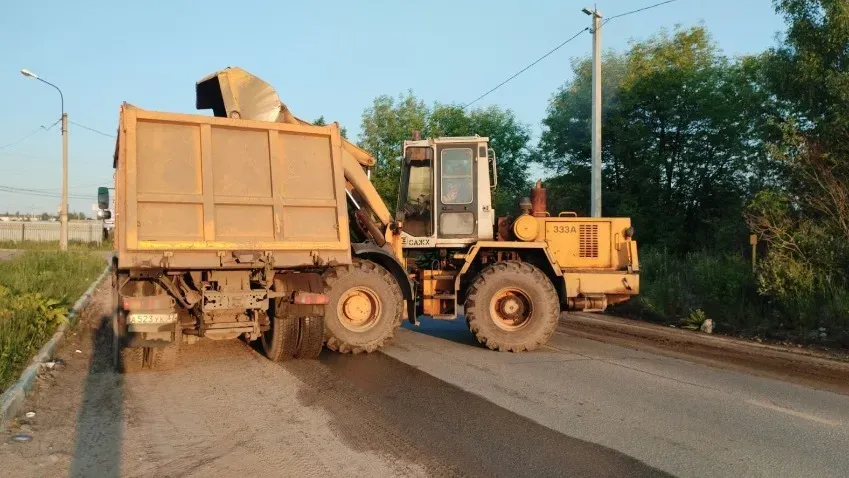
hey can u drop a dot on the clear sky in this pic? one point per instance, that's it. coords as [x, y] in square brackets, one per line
[326, 58]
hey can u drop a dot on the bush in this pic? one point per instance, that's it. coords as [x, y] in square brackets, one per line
[684, 290]
[36, 291]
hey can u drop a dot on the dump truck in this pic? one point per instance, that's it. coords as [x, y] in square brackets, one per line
[254, 224]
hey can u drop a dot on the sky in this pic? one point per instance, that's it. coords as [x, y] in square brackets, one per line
[329, 58]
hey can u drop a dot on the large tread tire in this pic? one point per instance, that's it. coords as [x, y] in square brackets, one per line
[538, 289]
[280, 342]
[311, 337]
[362, 273]
[165, 358]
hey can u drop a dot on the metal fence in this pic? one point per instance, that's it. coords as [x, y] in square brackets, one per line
[80, 231]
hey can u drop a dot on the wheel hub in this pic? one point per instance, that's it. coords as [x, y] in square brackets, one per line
[511, 309]
[359, 309]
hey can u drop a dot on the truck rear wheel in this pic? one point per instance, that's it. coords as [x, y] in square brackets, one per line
[365, 307]
[512, 306]
[280, 341]
[310, 337]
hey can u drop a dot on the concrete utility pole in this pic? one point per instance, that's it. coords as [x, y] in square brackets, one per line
[63, 210]
[595, 199]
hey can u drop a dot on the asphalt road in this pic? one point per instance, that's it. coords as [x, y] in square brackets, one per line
[434, 404]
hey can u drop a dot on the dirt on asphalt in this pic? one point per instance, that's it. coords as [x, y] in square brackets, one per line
[812, 369]
[226, 410]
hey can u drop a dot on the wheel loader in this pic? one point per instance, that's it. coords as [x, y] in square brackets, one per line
[254, 224]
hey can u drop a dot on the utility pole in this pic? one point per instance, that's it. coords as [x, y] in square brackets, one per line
[63, 215]
[595, 199]
[63, 209]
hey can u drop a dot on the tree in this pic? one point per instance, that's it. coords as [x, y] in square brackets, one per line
[320, 121]
[680, 142]
[390, 121]
[806, 222]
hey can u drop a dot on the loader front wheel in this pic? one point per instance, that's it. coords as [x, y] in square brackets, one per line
[364, 309]
[512, 306]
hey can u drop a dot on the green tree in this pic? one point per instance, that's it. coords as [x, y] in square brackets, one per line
[320, 121]
[390, 121]
[680, 140]
[806, 222]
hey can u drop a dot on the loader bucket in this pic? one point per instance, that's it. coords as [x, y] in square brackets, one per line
[235, 93]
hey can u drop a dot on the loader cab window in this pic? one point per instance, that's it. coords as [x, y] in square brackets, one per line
[456, 170]
[415, 204]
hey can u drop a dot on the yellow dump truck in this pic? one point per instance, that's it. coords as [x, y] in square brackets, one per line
[253, 223]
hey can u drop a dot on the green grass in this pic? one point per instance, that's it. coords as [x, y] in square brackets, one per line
[37, 289]
[685, 290]
[54, 245]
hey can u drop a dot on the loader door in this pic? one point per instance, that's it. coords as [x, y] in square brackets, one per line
[456, 191]
[415, 201]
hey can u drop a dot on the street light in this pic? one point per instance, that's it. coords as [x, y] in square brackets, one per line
[63, 211]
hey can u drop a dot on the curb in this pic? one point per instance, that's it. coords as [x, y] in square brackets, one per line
[13, 399]
[728, 345]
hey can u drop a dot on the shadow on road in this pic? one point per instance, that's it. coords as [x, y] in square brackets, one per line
[378, 404]
[453, 330]
[97, 451]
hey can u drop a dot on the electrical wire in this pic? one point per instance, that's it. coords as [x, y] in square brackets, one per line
[30, 134]
[525, 68]
[560, 46]
[41, 193]
[637, 11]
[92, 129]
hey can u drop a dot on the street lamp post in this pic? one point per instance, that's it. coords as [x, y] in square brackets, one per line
[63, 210]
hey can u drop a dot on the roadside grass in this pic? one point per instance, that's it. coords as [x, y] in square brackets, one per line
[685, 290]
[54, 245]
[37, 290]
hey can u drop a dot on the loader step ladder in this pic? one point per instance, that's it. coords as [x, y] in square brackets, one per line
[440, 301]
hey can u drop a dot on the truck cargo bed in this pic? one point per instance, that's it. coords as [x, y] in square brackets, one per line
[195, 191]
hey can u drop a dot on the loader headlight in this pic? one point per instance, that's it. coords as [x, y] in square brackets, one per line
[629, 233]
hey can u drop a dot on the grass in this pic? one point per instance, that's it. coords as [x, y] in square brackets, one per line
[54, 245]
[685, 290]
[37, 289]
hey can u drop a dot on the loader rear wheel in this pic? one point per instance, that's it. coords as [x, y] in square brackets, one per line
[365, 307]
[311, 337]
[280, 341]
[512, 306]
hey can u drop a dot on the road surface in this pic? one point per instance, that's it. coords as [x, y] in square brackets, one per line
[434, 404]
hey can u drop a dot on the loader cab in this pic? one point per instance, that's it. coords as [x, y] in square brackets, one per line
[445, 197]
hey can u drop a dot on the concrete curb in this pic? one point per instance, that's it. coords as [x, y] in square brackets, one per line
[13, 399]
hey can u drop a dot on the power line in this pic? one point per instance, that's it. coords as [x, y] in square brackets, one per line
[92, 129]
[637, 11]
[30, 134]
[41, 193]
[525, 68]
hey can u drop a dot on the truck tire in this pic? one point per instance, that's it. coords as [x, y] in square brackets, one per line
[364, 309]
[512, 306]
[311, 337]
[280, 342]
[165, 358]
[124, 359]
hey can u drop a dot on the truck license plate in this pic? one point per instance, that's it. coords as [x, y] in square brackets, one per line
[135, 318]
